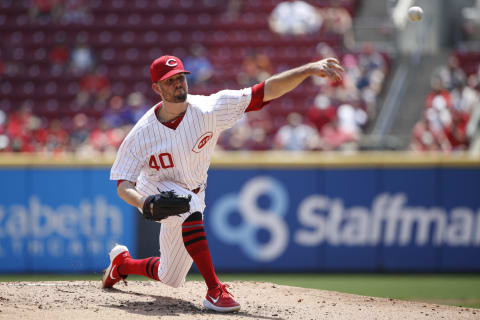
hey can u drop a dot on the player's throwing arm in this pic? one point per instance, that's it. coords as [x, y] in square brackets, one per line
[284, 82]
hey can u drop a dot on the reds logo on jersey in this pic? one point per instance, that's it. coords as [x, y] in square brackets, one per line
[202, 141]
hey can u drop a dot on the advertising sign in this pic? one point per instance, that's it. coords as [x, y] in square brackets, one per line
[60, 220]
[344, 219]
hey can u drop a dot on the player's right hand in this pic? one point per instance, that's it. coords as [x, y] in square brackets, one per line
[330, 68]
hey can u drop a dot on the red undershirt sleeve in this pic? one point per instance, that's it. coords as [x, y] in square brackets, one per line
[120, 181]
[256, 103]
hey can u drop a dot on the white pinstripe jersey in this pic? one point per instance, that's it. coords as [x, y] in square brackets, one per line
[152, 152]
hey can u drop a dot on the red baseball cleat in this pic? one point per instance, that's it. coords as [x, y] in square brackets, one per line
[110, 275]
[219, 299]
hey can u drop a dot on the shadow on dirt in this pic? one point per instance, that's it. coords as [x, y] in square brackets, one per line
[163, 306]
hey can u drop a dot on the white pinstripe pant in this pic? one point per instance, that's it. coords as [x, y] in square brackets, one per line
[175, 261]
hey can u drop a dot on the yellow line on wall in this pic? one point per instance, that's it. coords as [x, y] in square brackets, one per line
[271, 159]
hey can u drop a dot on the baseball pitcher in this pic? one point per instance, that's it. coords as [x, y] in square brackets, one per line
[161, 169]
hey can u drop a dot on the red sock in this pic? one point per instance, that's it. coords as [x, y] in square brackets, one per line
[143, 267]
[197, 246]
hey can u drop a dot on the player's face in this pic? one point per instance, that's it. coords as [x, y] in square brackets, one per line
[174, 89]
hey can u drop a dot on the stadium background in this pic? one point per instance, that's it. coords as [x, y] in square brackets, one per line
[74, 77]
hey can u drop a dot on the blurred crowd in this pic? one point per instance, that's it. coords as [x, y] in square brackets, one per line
[65, 11]
[451, 116]
[297, 17]
[337, 117]
[334, 121]
[82, 134]
[98, 117]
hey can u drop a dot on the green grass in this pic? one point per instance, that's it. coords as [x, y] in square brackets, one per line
[455, 289]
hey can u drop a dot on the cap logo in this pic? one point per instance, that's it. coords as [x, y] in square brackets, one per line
[171, 62]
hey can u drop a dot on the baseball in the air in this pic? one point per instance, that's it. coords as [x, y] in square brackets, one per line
[415, 13]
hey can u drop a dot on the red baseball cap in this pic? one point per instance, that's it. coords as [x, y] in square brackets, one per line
[165, 67]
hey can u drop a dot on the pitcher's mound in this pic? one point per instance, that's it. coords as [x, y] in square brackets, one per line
[72, 300]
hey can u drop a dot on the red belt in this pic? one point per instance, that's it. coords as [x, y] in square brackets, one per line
[196, 190]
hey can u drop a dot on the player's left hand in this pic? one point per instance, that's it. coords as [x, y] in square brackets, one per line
[165, 204]
[329, 67]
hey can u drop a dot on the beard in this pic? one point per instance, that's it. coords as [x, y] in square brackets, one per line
[180, 97]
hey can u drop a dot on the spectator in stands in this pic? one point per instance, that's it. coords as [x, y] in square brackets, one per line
[373, 68]
[82, 59]
[322, 112]
[440, 114]
[105, 139]
[57, 138]
[324, 50]
[370, 58]
[339, 91]
[456, 131]
[473, 124]
[447, 112]
[428, 138]
[438, 90]
[351, 119]
[4, 141]
[450, 72]
[295, 17]
[115, 116]
[339, 128]
[256, 68]
[136, 107]
[474, 79]
[59, 56]
[473, 130]
[351, 65]
[333, 137]
[40, 135]
[198, 64]
[94, 87]
[233, 9]
[259, 141]
[19, 129]
[249, 134]
[80, 131]
[8, 67]
[296, 136]
[338, 21]
[361, 84]
[74, 11]
[236, 137]
[464, 97]
[45, 10]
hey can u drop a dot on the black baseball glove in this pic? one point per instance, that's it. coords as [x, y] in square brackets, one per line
[165, 204]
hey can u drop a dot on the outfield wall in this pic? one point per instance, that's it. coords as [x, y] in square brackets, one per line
[265, 212]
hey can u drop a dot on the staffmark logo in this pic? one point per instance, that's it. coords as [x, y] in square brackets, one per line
[202, 141]
[255, 219]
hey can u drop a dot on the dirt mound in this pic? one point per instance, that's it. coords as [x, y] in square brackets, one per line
[147, 299]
